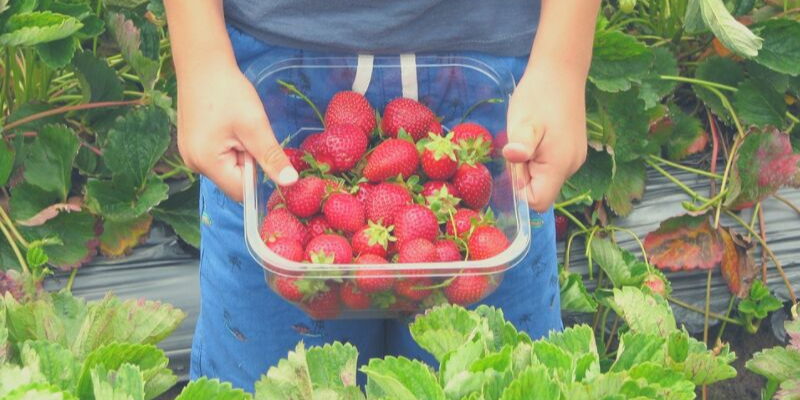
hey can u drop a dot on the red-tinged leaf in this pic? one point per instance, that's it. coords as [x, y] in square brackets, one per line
[78, 233]
[790, 390]
[74, 204]
[738, 266]
[120, 237]
[684, 243]
[763, 164]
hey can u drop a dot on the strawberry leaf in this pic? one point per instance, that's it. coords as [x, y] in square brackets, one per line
[738, 266]
[667, 383]
[55, 363]
[119, 237]
[703, 367]
[643, 313]
[638, 348]
[150, 360]
[332, 366]
[763, 164]
[686, 137]
[31, 28]
[781, 49]
[621, 266]
[48, 164]
[626, 187]
[574, 296]
[180, 212]
[205, 389]
[7, 158]
[77, 231]
[732, 33]
[718, 70]
[37, 391]
[57, 54]
[778, 364]
[758, 103]
[594, 177]
[131, 40]
[135, 143]
[684, 243]
[626, 124]
[533, 383]
[653, 88]
[503, 332]
[441, 330]
[401, 379]
[126, 383]
[28, 200]
[618, 60]
[119, 200]
[98, 81]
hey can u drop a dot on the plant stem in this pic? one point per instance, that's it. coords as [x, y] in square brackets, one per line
[66, 109]
[293, 89]
[728, 166]
[706, 84]
[13, 229]
[769, 252]
[762, 227]
[635, 238]
[788, 203]
[701, 311]
[708, 307]
[472, 108]
[685, 168]
[569, 215]
[14, 247]
[676, 181]
[725, 323]
[576, 199]
[71, 279]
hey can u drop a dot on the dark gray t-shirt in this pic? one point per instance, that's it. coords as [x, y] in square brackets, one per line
[500, 27]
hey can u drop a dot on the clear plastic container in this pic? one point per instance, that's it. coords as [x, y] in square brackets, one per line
[451, 87]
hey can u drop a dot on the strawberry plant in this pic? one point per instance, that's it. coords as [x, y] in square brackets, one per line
[781, 365]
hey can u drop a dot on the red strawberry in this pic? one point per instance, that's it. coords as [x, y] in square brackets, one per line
[410, 115]
[486, 242]
[474, 136]
[311, 143]
[461, 222]
[475, 185]
[329, 249]
[304, 198]
[286, 287]
[436, 127]
[296, 158]
[418, 251]
[414, 222]
[384, 200]
[447, 250]
[314, 145]
[289, 249]
[656, 284]
[439, 157]
[373, 280]
[371, 259]
[391, 158]
[354, 298]
[411, 288]
[562, 225]
[363, 191]
[350, 108]
[372, 239]
[344, 212]
[275, 199]
[467, 289]
[325, 305]
[345, 144]
[431, 187]
[317, 226]
[282, 223]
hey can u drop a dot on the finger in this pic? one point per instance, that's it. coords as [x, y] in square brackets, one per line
[227, 174]
[545, 185]
[258, 139]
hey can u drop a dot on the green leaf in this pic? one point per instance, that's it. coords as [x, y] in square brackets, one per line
[638, 348]
[39, 392]
[333, 365]
[130, 40]
[99, 82]
[124, 384]
[687, 136]
[778, 81]
[31, 28]
[205, 389]
[705, 368]
[671, 384]
[717, 70]
[627, 186]
[559, 362]
[93, 26]
[604, 387]
[124, 3]
[7, 156]
[503, 332]
[119, 237]
[456, 365]
[778, 363]
[618, 61]
[181, 213]
[401, 379]
[594, 177]
[732, 33]
[678, 346]
[644, 313]
[150, 360]
[78, 236]
[57, 54]
[54, 362]
[653, 88]
[136, 142]
[290, 379]
[620, 266]
[13, 377]
[781, 50]
[533, 383]
[626, 124]
[443, 329]
[574, 296]
[28, 200]
[118, 200]
[758, 103]
[70, 311]
[49, 160]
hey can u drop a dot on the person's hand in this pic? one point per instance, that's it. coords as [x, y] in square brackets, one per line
[220, 118]
[546, 133]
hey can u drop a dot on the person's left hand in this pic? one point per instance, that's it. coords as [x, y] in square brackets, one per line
[546, 132]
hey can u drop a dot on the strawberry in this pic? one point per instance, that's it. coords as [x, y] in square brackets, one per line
[656, 284]
[329, 249]
[391, 158]
[371, 259]
[431, 188]
[562, 225]
[304, 198]
[461, 223]
[412, 116]
[354, 298]
[486, 242]
[384, 200]
[275, 199]
[467, 289]
[414, 222]
[280, 222]
[447, 251]
[313, 145]
[475, 185]
[289, 249]
[411, 288]
[344, 212]
[286, 287]
[363, 191]
[441, 201]
[439, 157]
[345, 144]
[373, 280]
[296, 158]
[474, 137]
[325, 305]
[350, 108]
[372, 239]
[317, 226]
[417, 251]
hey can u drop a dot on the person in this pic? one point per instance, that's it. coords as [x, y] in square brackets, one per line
[243, 327]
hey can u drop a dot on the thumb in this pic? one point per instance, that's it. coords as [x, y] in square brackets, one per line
[523, 139]
[259, 141]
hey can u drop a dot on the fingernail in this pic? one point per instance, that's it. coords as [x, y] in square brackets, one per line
[288, 176]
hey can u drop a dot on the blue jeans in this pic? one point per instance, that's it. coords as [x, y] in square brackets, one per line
[244, 328]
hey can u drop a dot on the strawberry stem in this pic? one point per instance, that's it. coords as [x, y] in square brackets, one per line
[472, 108]
[293, 89]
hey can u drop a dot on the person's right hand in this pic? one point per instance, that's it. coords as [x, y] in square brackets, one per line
[220, 118]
